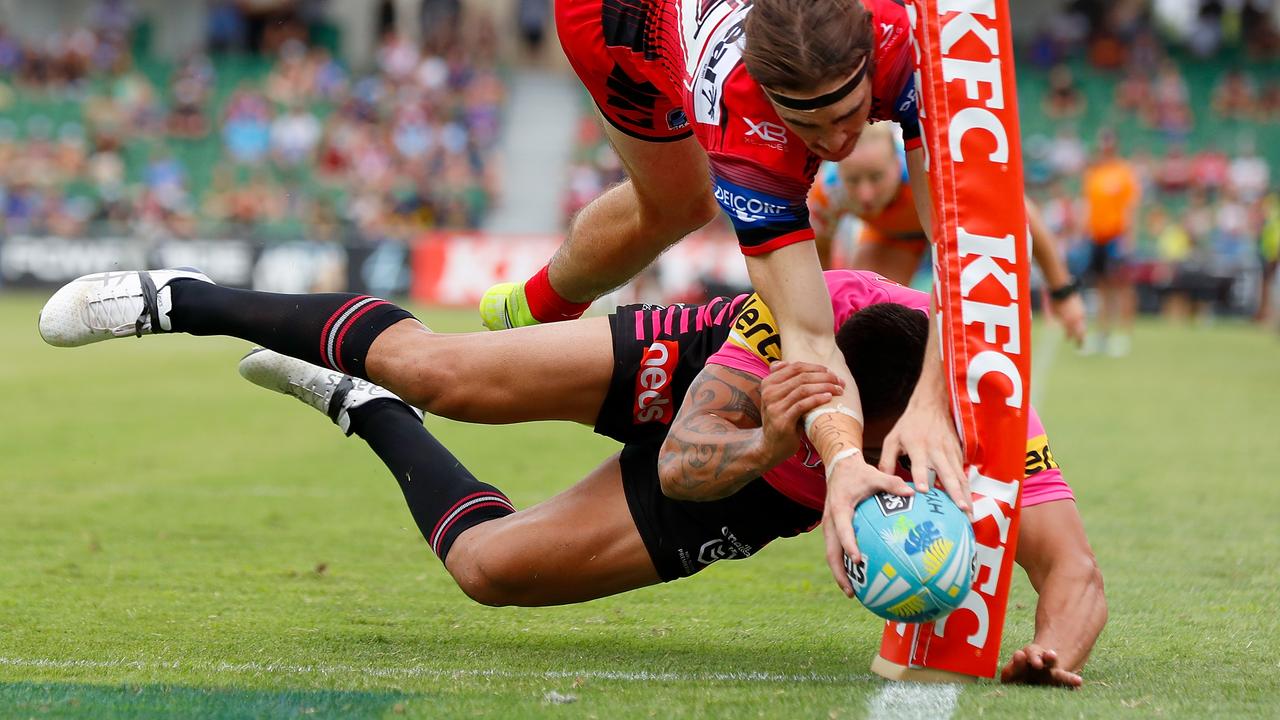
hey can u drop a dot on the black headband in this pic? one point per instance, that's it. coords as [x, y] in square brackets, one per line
[821, 101]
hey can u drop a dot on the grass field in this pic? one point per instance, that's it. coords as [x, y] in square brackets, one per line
[176, 542]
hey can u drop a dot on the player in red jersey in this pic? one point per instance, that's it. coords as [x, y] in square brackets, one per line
[871, 184]
[733, 104]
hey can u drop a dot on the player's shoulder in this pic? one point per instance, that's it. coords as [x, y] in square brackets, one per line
[888, 11]
[853, 290]
[755, 332]
[892, 84]
[1040, 456]
[843, 280]
[892, 28]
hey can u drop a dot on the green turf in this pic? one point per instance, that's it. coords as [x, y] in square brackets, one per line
[174, 541]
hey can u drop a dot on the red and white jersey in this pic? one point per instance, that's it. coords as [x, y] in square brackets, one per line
[761, 171]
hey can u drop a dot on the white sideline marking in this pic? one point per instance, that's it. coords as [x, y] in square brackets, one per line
[1044, 351]
[913, 701]
[253, 668]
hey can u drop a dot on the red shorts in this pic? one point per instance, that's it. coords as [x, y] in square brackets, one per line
[608, 43]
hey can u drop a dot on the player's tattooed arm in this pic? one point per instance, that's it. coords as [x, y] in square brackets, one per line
[733, 426]
[713, 447]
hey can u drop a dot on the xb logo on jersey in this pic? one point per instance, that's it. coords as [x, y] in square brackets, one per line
[769, 133]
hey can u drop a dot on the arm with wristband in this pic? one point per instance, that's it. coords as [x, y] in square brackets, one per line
[771, 218]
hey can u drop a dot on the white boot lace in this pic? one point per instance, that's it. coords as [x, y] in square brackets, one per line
[116, 313]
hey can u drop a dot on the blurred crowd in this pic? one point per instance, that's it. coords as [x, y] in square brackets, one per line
[1193, 90]
[1112, 34]
[94, 138]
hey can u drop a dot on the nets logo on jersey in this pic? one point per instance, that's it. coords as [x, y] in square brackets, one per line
[653, 383]
[755, 331]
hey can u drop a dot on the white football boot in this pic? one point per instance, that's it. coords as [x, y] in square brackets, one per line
[328, 391]
[109, 305]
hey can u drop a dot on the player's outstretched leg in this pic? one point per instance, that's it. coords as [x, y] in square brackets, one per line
[475, 377]
[443, 497]
[330, 329]
[579, 545]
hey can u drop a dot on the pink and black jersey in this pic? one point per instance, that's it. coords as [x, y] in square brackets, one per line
[662, 69]
[753, 345]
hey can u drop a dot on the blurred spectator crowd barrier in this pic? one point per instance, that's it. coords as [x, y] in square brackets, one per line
[441, 267]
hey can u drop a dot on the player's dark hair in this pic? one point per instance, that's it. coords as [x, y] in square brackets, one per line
[884, 347]
[799, 45]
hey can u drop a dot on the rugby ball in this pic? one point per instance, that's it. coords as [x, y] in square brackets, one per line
[917, 556]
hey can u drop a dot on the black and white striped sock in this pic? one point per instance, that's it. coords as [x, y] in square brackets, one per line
[330, 329]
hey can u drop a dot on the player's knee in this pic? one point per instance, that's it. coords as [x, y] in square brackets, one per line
[681, 215]
[701, 210]
[704, 210]
[490, 580]
[429, 379]
[441, 391]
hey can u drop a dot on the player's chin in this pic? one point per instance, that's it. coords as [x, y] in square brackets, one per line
[833, 155]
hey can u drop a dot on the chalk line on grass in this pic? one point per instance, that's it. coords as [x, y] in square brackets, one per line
[326, 670]
[913, 701]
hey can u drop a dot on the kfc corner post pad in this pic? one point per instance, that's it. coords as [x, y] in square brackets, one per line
[969, 114]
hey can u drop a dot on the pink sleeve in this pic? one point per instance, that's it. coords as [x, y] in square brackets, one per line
[852, 290]
[732, 356]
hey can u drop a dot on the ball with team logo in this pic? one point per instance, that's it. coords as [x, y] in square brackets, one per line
[917, 556]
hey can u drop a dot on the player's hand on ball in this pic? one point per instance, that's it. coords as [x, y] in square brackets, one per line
[787, 394]
[850, 482]
[926, 434]
[1034, 665]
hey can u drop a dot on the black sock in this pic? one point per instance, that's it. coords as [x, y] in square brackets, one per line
[330, 329]
[444, 498]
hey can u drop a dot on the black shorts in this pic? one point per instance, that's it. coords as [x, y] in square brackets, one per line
[657, 352]
[684, 537]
